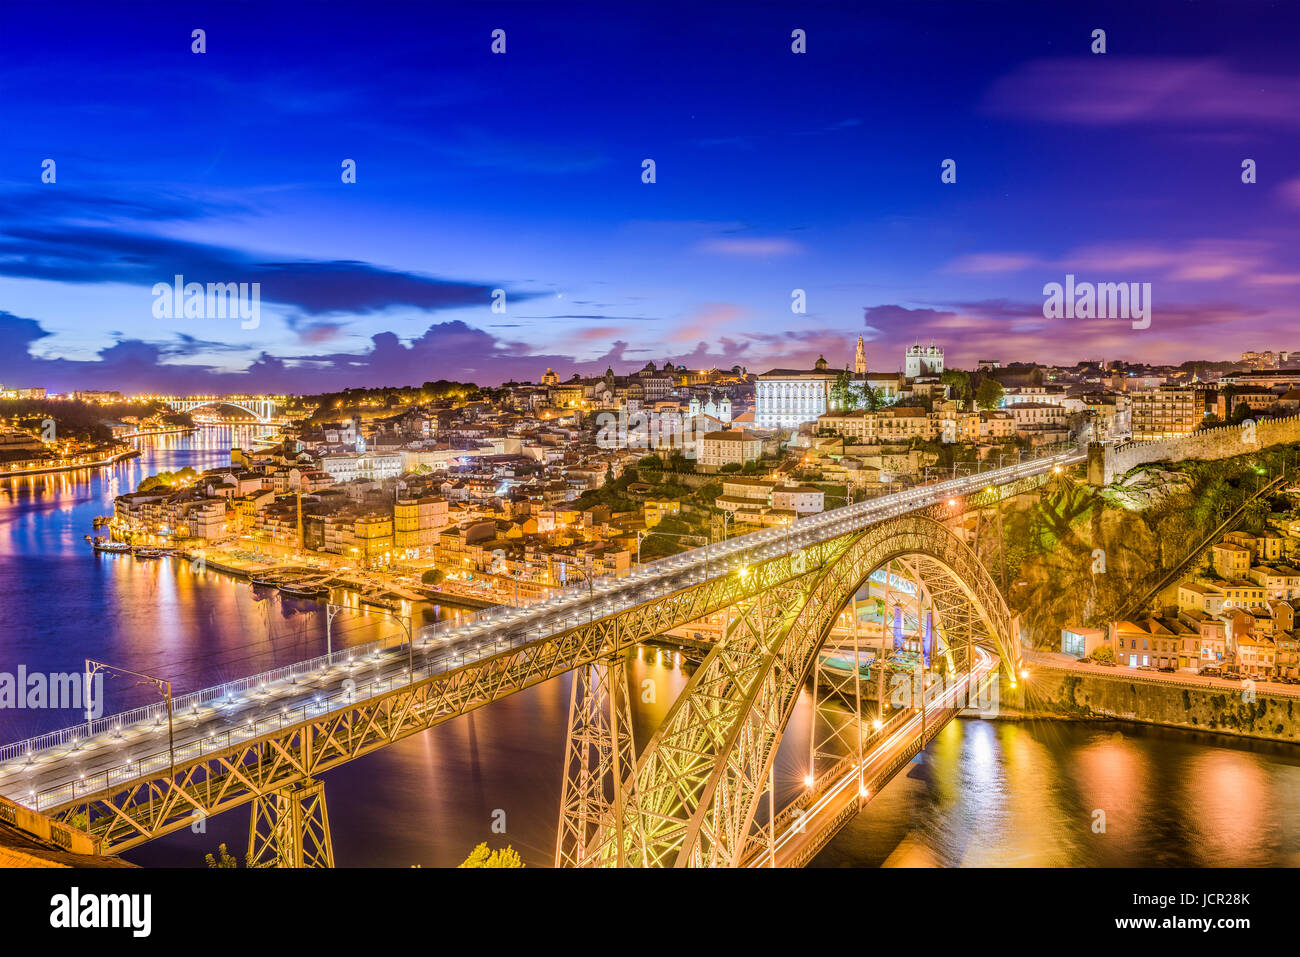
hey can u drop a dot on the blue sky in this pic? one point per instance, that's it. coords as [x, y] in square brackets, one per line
[522, 171]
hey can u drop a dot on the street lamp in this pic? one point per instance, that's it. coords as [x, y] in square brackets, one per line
[164, 688]
[331, 609]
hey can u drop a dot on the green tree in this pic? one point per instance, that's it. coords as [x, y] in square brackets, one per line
[989, 394]
[223, 858]
[844, 398]
[1103, 653]
[433, 576]
[482, 857]
[958, 383]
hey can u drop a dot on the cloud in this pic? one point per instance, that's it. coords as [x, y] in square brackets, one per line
[1111, 90]
[316, 287]
[1198, 260]
[1009, 331]
[992, 262]
[756, 247]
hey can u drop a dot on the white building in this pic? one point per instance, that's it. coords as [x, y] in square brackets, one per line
[347, 467]
[728, 447]
[787, 398]
[803, 499]
[922, 360]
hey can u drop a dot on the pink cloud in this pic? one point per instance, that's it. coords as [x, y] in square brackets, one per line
[1105, 90]
[757, 247]
[992, 262]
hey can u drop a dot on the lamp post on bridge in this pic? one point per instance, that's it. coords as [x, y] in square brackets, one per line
[163, 686]
[332, 609]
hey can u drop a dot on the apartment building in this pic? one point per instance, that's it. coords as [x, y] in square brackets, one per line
[729, 447]
[1165, 412]
[416, 523]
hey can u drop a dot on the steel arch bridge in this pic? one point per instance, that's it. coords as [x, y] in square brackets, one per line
[263, 408]
[692, 797]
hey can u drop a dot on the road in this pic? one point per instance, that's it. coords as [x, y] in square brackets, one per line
[799, 840]
[1181, 678]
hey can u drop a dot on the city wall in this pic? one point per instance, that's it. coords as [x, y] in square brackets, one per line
[1105, 462]
[1063, 693]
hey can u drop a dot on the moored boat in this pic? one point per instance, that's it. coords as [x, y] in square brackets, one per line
[303, 589]
[380, 601]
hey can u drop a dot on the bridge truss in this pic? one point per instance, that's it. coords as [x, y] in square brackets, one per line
[699, 785]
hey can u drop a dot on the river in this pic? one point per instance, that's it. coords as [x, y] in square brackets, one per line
[984, 793]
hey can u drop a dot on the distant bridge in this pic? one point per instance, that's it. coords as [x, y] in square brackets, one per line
[261, 407]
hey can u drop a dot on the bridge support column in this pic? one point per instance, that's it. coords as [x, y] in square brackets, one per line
[836, 723]
[291, 828]
[599, 772]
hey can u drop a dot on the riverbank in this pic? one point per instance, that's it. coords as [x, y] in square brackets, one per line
[1244, 711]
[75, 466]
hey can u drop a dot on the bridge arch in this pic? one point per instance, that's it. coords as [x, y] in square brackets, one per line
[700, 778]
[261, 409]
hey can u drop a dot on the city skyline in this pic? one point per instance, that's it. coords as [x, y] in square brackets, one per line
[775, 172]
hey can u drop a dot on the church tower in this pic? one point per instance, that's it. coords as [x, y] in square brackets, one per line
[860, 360]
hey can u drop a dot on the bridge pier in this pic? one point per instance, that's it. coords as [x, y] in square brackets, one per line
[599, 771]
[291, 828]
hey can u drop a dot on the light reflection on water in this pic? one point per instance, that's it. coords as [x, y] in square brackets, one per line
[985, 793]
[1026, 794]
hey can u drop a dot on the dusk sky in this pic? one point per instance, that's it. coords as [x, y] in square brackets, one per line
[775, 171]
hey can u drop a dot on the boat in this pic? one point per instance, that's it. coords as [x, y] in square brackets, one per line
[113, 548]
[380, 602]
[149, 553]
[304, 589]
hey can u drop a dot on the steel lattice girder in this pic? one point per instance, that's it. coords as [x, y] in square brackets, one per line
[599, 757]
[130, 814]
[291, 828]
[699, 781]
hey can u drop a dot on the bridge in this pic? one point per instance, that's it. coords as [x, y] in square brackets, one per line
[702, 790]
[261, 407]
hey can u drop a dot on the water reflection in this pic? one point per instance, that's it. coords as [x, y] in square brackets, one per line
[1028, 794]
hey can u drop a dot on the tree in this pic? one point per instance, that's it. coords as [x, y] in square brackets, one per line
[1103, 653]
[844, 397]
[222, 860]
[873, 399]
[482, 857]
[433, 576]
[958, 383]
[989, 394]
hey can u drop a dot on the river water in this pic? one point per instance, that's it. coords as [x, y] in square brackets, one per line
[984, 793]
